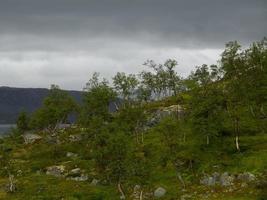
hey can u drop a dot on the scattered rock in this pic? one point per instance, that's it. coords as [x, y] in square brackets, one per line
[30, 138]
[83, 177]
[159, 192]
[57, 171]
[71, 155]
[246, 177]
[94, 182]
[216, 177]
[226, 179]
[208, 180]
[75, 172]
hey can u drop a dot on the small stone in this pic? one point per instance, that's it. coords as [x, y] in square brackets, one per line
[94, 182]
[159, 192]
[79, 178]
[75, 171]
[71, 155]
[55, 170]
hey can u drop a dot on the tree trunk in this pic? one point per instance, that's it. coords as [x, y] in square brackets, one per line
[237, 142]
[142, 137]
[141, 195]
[184, 137]
[208, 140]
[121, 191]
[237, 134]
[11, 183]
[181, 179]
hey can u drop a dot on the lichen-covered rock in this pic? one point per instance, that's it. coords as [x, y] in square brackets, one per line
[159, 192]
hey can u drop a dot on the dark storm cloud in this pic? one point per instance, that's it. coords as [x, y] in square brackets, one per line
[64, 41]
[186, 23]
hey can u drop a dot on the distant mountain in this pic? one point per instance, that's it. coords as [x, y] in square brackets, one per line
[14, 100]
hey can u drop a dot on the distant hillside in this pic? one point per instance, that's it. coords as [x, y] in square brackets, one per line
[14, 100]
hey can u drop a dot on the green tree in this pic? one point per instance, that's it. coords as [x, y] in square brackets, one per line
[206, 103]
[56, 108]
[96, 100]
[125, 85]
[111, 153]
[132, 119]
[234, 90]
[23, 122]
[255, 81]
[178, 152]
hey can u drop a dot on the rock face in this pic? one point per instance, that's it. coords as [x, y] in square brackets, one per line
[57, 171]
[159, 192]
[174, 110]
[30, 138]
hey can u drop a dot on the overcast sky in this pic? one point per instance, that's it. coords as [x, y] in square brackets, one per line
[65, 41]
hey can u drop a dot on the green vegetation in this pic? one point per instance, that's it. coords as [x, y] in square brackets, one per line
[167, 131]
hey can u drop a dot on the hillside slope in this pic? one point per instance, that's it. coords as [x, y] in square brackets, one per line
[14, 100]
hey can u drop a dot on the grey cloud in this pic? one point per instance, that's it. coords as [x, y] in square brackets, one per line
[64, 41]
[171, 22]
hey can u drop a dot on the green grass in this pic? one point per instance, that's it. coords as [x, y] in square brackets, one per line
[33, 158]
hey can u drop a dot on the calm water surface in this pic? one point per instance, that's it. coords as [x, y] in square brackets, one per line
[4, 128]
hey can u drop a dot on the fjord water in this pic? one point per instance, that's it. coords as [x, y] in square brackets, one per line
[4, 128]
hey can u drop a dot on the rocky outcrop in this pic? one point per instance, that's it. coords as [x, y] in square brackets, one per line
[30, 138]
[174, 110]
